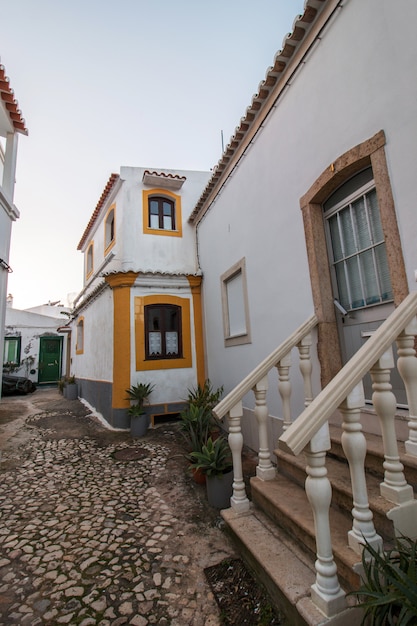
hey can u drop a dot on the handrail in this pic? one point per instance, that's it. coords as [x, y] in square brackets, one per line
[234, 396]
[301, 431]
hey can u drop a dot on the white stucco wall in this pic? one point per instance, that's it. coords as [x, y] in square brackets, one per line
[30, 327]
[357, 81]
[96, 360]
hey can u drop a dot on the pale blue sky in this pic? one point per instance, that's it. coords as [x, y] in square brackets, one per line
[103, 84]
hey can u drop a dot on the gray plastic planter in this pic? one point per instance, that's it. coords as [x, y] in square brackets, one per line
[219, 490]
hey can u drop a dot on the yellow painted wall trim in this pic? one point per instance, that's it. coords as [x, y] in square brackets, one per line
[145, 215]
[195, 284]
[143, 364]
[121, 285]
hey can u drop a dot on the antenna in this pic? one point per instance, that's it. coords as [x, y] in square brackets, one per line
[221, 132]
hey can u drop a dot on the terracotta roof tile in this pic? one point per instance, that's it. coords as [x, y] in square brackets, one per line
[107, 189]
[11, 104]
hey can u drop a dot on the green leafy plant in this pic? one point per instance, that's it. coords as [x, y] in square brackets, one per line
[139, 394]
[214, 457]
[388, 594]
[195, 426]
[204, 395]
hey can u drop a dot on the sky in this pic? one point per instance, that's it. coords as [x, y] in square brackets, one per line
[105, 84]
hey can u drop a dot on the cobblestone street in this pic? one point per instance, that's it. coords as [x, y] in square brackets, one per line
[97, 528]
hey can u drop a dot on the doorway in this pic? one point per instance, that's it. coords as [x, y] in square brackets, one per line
[361, 283]
[50, 356]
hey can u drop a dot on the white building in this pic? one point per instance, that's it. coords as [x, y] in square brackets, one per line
[332, 128]
[36, 343]
[138, 317]
[11, 124]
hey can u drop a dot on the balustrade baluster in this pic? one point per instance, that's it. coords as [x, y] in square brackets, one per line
[326, 591]
[395, 487]
[284, 388]
[265, 470]
[407, 366]
[354, 447]
[239, 501]
[306, 367]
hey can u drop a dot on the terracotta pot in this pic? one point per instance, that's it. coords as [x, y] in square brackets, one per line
[198, 476]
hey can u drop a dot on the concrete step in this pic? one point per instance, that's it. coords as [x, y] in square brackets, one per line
[286, 504]
[282, 567]
[375, 455]
[338, 473]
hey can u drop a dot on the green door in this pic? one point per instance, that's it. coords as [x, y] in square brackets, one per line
[50, 355]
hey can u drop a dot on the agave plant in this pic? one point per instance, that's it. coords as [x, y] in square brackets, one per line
[204, 395]
[214, 458]
[139, 394]
[388, 594]
[195, 425]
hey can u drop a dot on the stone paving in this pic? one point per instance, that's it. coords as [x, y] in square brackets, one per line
[103, 532]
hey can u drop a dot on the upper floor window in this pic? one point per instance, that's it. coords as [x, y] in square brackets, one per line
[163, 331]
[109, 230]
[162, 213]
[89, 262]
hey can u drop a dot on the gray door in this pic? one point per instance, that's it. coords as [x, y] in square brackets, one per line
[360, 274]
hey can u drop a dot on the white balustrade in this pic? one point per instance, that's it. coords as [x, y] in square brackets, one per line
[239, 501]
[306, 367]
[284, 388]
[326, 591]
[265, 470]
[395, 487]
[407, 366]
[354, 447]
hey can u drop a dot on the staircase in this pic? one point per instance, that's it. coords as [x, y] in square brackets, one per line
[301, 534]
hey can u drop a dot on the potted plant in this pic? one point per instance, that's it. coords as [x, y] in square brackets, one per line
[139, 420]
[215, 462]
[195, 426]
[70, 389]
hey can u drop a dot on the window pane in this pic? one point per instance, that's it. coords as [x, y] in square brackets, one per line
[167, 222]
[236, 305]
[155, 343]
[374, 217]
[369, 277]
[383, 273]
[335, 236]
[154, 221]
[361, 222]
[11, 350]
[154, 318]
[171, 340]
[342, 286]
[354, 279]
[349, 246]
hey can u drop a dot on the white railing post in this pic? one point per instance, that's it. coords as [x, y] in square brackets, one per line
[354, 447]
[306, 367]
[407, 366]
[239, 501]
[265, 470]
[325, 592]
[284, 388]
[394, 487]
